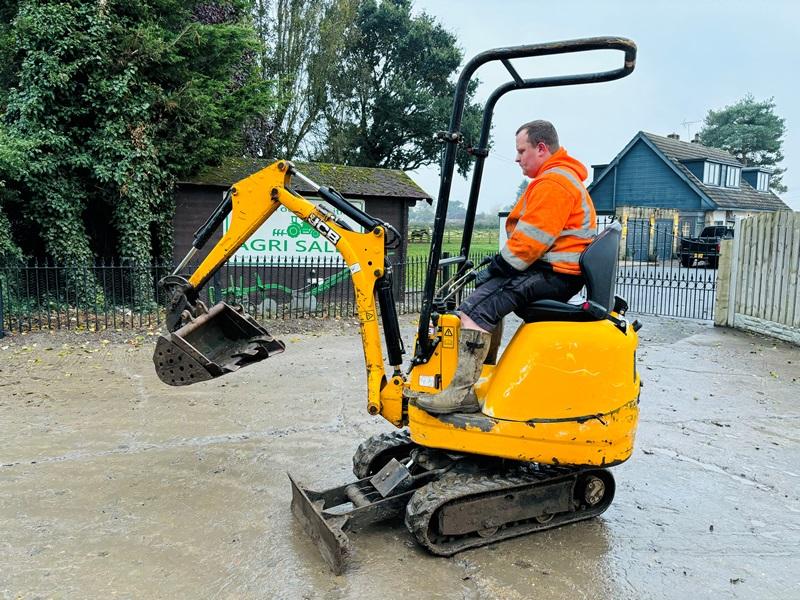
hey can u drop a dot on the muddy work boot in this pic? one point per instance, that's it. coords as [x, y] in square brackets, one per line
[473, 346]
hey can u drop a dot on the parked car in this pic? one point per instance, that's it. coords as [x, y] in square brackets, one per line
[705, 247]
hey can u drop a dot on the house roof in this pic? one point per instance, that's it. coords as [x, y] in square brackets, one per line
[743, 197]
[353, 182]
[675, 153]
[678, 150]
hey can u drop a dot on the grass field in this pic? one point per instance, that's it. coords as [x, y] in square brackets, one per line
[484, 241]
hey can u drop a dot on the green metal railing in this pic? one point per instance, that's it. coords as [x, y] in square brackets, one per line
[121, 295]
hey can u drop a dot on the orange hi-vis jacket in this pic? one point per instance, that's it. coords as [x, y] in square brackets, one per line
[554, 219]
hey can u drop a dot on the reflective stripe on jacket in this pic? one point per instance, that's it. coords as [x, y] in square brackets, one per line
[554, 219]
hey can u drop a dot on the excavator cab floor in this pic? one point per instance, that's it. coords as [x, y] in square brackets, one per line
[221, 341]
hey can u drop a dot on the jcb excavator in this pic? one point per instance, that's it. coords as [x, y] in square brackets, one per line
[558, 407]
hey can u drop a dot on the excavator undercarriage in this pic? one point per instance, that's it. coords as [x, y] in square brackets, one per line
[450, 501]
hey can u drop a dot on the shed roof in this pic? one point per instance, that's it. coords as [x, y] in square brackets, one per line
[353, 182]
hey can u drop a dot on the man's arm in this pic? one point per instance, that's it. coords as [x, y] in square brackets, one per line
[547, 208]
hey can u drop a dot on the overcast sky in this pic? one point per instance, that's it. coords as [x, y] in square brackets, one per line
[693, 56]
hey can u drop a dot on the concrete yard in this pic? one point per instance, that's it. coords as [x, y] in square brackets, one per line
[113, 485]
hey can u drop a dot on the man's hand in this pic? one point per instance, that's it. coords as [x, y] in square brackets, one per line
[497, 267]
[500, 268]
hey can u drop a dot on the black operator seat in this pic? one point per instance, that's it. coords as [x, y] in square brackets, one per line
[599, 266]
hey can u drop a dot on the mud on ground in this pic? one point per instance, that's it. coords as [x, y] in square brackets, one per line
[115, 485]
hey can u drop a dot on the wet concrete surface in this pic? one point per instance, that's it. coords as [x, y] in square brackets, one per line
[113, 485]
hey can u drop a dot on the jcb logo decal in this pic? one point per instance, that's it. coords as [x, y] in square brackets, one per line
[323, 228]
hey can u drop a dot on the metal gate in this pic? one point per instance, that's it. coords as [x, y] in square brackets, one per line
[664, 239]
[637, 239]
[653, 281]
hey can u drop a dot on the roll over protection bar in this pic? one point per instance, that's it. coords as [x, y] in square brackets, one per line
[451, 139]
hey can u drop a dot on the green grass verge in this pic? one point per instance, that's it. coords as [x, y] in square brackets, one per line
[484, 241]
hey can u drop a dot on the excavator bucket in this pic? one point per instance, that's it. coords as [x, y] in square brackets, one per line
[220, 341]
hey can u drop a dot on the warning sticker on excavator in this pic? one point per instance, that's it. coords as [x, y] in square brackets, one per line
[448, 337]
[369, 316]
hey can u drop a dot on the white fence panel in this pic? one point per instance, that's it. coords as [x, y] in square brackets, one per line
[759, 277]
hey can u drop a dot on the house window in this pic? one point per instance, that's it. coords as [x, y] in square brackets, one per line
[732, 177]
[711, 173]
[762, 183]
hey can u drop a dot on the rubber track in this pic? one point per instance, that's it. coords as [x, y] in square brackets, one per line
[373, 446]
[427, 500]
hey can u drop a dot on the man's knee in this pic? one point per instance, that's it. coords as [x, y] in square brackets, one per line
[468, 323]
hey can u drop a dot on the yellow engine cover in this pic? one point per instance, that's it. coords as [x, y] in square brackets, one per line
[562, 393]
[559, 370]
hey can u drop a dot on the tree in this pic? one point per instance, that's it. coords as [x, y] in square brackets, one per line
[10, 152]
[751, 131]
[10, 165]
[421, 214]
[8, 61]
[301, 41]
[456, 210]
[112, 101]
[393, 91]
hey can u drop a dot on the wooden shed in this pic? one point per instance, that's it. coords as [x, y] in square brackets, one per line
[286, 263]
[386, 194]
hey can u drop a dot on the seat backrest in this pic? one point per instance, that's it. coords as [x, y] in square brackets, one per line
[599, 266]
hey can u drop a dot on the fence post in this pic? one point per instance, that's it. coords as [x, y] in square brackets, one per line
[723, 284]
[733, 275]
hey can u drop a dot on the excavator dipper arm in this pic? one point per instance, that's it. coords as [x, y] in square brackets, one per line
[207, 343]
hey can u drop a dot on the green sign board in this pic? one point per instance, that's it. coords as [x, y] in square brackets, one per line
[286, 236]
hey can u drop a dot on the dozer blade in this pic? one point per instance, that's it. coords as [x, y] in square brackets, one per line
[220, 341]
[327, 534]
[328, 515]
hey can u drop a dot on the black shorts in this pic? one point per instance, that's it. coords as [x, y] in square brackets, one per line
[500, 296]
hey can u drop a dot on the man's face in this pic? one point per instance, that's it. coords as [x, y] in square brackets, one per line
[530, 158]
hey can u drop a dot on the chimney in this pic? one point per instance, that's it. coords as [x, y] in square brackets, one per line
[696, 138]
[674, 136]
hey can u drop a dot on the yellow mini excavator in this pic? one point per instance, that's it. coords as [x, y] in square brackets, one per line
[559, 406]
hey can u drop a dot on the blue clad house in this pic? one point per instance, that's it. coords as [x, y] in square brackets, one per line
[679, 187]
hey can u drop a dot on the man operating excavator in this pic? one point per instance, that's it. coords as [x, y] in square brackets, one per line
[550, 225]
[514, 461]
